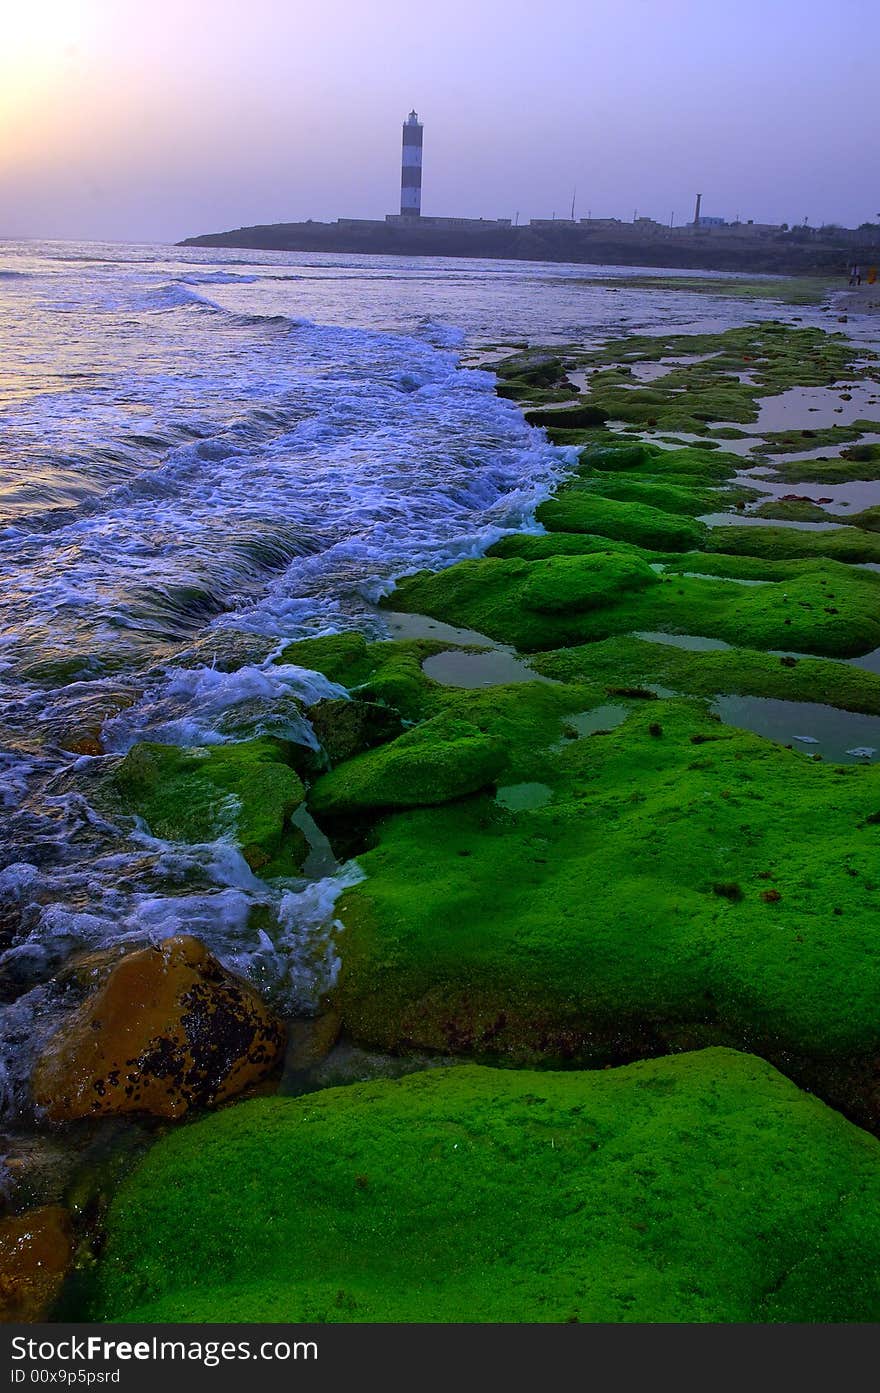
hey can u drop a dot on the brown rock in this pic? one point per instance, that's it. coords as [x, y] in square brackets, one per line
[36, 1250]
[82, 745]
[310, 1041]
[167, 1030]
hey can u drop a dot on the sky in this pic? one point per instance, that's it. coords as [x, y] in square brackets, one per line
[132, 121]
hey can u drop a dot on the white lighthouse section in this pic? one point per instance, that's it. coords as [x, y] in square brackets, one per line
[411, 168]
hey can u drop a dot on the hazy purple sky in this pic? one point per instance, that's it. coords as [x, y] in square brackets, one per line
[131, 120]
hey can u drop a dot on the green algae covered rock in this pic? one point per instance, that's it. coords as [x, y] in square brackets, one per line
[668, 494]
[703, 1187]
[194, 795]
[629, 661]
[389, 673]
[571, 584]
[595, 924]
[566, 417]
[847, 544]
[830, 611]
[579, 508]
[443, 758]
[698, 463]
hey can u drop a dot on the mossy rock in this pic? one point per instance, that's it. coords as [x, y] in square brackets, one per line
[472, 1194]
[696, 465]
[829, 612]
[794, 510]
[195, 795]
[628, 661]
[442, 759]
[579, 508]
[592, 925]
[848, 544]
[667, 495]
[567, 417]
[388, 673]
[531, 546]
[571, 584]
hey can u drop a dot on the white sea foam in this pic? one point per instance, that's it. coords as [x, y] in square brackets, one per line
[189, 706]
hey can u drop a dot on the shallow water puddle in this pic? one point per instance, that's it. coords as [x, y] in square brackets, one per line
[821, 452]
[495, 667]
[522, 798]
[845, 737]
[869, 661]
[694, 643]
[820, 406]
[402, 625]
[853, 493]
[734, 580]
[750, 520]
[601, 718]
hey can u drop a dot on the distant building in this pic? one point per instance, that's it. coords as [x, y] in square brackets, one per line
[469, 223]
[704, 221]
[411, 168]
[552, 222]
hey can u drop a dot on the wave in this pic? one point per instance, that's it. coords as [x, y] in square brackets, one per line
[174, 297]
[217, 278]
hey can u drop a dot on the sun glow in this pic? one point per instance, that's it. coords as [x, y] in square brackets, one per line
[41, 46]
[33, 33]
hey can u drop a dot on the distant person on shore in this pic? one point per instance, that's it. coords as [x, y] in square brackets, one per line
[855, 275]
[872, 275]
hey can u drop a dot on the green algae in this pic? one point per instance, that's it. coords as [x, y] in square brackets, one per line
[834, 614]
[848, 544]
[667, 495]
[473, 739]
[530, 546]
[567, 417]
[713, 379]
[670, 405]
[388, 673]
[345, 728]
[691, 466]
[628, 660]
[577, 507]
[441, 759]
[195, 795]
[472, 1194]
[794, 510]
[566, 585]
[847, 469]
[590, 928]
[795, 441]
[786, 290]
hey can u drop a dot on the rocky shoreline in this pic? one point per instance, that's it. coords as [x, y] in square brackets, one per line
[574, 856]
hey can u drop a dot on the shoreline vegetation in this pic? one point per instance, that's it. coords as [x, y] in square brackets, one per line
[608, 1005]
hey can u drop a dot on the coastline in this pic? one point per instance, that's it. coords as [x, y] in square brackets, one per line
[786, 253]
[506, 798]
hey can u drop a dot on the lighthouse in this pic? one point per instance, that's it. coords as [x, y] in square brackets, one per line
[411, 168]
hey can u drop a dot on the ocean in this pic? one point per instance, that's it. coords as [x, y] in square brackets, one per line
[204, 451]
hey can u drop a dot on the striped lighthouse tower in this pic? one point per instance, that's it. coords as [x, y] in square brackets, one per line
[411, 168]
